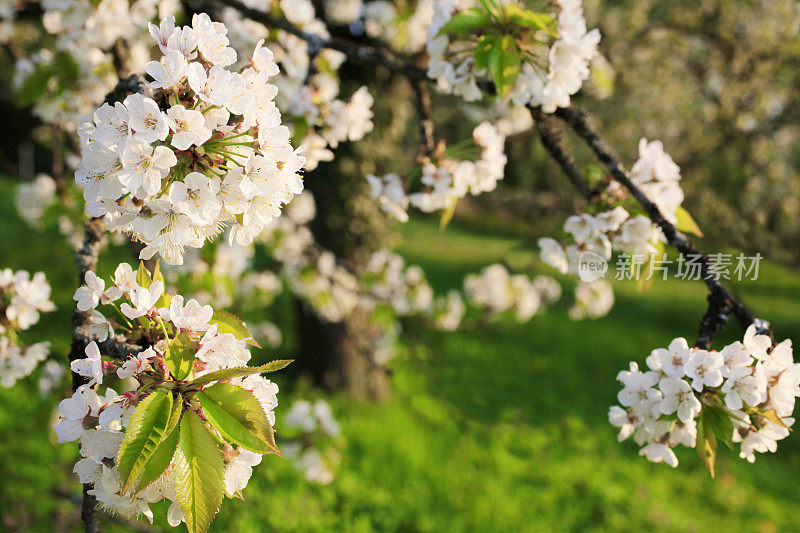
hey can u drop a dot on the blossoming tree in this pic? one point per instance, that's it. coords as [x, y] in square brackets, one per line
[190, 133]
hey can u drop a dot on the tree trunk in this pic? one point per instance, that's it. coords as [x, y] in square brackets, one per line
[340, 355]
[351, 225]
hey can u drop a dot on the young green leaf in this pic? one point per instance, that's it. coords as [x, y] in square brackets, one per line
[143, 276]
[237, 414]
[527, 18]
[486, 43]
[199, 473]
[504, 64]
[145, 430]
[157, 275]
[159, 460]
[162, 455]
[229, 323]
[241, 371]
[466, 22]
[720, 423]
[447, 214]
[165, 298]
[180, 356]
[767, 414]
[706, 443]
[686, 223]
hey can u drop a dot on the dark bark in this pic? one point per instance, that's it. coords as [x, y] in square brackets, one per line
[86, 259]
[349, 224]
[339, 355]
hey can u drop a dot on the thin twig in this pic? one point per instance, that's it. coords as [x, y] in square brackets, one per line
[712, 322]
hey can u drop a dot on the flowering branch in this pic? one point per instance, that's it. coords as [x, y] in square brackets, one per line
[353, 50]
[86, 258]
[580, 121]
[721, 303]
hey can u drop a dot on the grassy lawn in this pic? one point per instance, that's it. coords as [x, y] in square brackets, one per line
[498, 429]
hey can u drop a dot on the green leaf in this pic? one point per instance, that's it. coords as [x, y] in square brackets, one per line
[241, 371]
[229, 323]
[237, 414]
[199, 473]
[447, 214]
[300, 129]
[157, 275]
[145, 430]
[772, 416]
[686, 223]
[504, 64]
[159, 461]
[164, 299]
[718, 419]
[180, 356]
[767, 414]
[466, 22]
[706, 443]
[527, 18]
[486, 43]
[143, 276]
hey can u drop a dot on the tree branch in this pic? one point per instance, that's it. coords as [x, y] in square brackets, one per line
[423, 96]
[551, 140]
[86, 259]
[578, 120]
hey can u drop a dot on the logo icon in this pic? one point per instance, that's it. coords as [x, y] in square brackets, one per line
[591, 266]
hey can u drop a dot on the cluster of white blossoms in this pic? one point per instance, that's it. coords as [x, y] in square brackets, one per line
[498, 292]
[567, 63]
[315, 444]
[22, 300]
[85, 33]
[615, 230]
[405, 30]
[603, 233]
[657, 176]
[308, 83]
[34, 198]
[454, 71]
[226, 278]
[445, 180]
[448, 312]
[744, 393]
[403, 288]
[186, 347]
[34, 202]
[207, 150]
[560, 66]
[593, 299]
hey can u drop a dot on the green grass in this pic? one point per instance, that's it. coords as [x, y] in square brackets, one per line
[497, 429]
